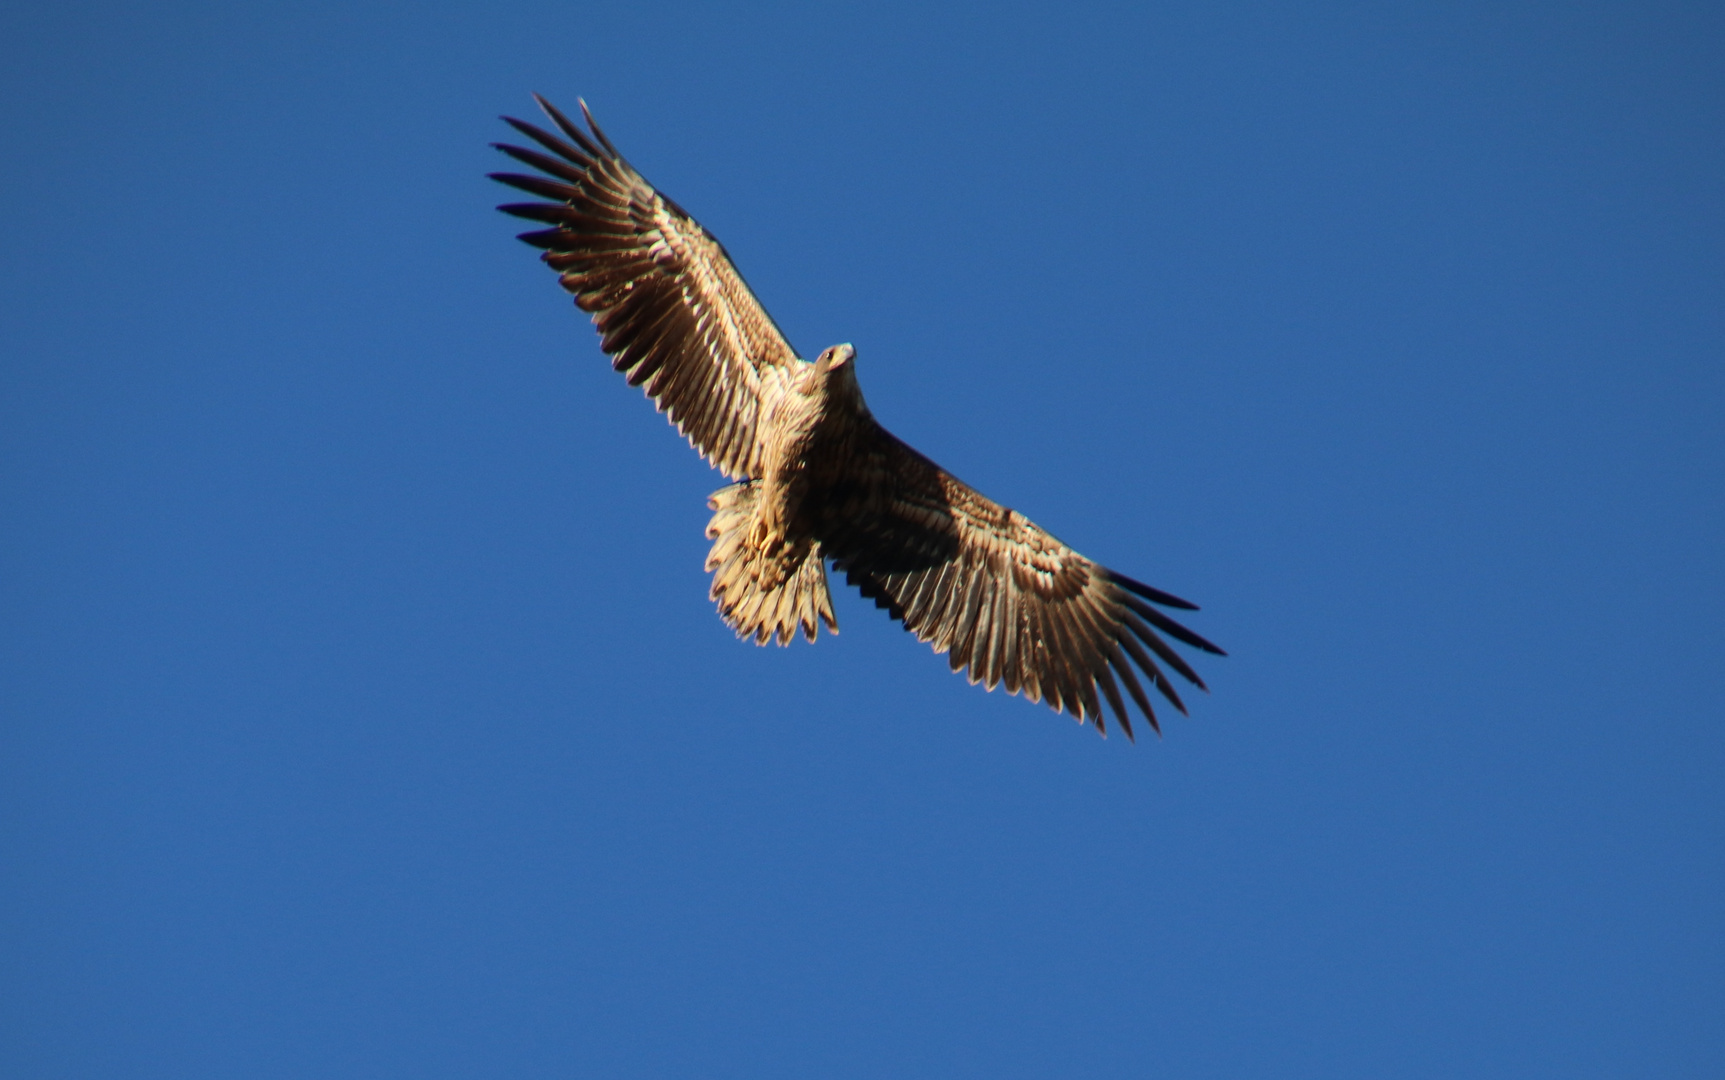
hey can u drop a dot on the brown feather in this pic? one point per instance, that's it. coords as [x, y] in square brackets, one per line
[1112, 692]
[1133, 687]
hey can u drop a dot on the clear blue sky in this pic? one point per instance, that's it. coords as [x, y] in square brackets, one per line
[364, 714]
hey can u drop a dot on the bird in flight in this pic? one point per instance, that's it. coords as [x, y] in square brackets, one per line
[817, 478]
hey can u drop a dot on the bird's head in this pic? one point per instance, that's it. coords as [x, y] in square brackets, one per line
[837, 369]
[835, 358]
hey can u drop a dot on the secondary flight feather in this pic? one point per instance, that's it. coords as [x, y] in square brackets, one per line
[818, 479]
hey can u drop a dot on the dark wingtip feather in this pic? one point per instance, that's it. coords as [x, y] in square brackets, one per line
[544, 238]
[1166, 599]
[1168, 691]
[1176, 630]
[572, 173]
[536, 185]
[1148, 636]
[1117, 657]
[1170, 627]
[598, 132]
[550, 213]
[1153, 673]
[519, 125]
[563, 123]
[550, 142]
[1111, 691]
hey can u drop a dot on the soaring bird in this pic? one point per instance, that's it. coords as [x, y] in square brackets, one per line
[817, 478]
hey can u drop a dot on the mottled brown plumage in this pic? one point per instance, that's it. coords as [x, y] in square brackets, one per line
[818, 477]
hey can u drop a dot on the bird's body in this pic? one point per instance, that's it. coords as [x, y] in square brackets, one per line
[818, 477]
[811, 426]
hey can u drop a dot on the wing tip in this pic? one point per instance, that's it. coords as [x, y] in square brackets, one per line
[598, 132]
[1148, 592]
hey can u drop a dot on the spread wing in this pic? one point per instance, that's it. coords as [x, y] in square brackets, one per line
[672, 311]
[1007, 602]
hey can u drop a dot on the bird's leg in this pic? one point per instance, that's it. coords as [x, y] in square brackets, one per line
[767, 536]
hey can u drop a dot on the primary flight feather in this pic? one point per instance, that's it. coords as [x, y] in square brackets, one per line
[818, 477]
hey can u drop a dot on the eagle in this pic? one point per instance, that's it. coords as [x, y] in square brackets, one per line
[817, 478]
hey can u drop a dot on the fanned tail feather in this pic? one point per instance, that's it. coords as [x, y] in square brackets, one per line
[801, 600]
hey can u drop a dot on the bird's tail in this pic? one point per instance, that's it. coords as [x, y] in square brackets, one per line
[801, 597]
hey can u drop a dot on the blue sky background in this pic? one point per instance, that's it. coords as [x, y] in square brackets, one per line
[365, 715]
